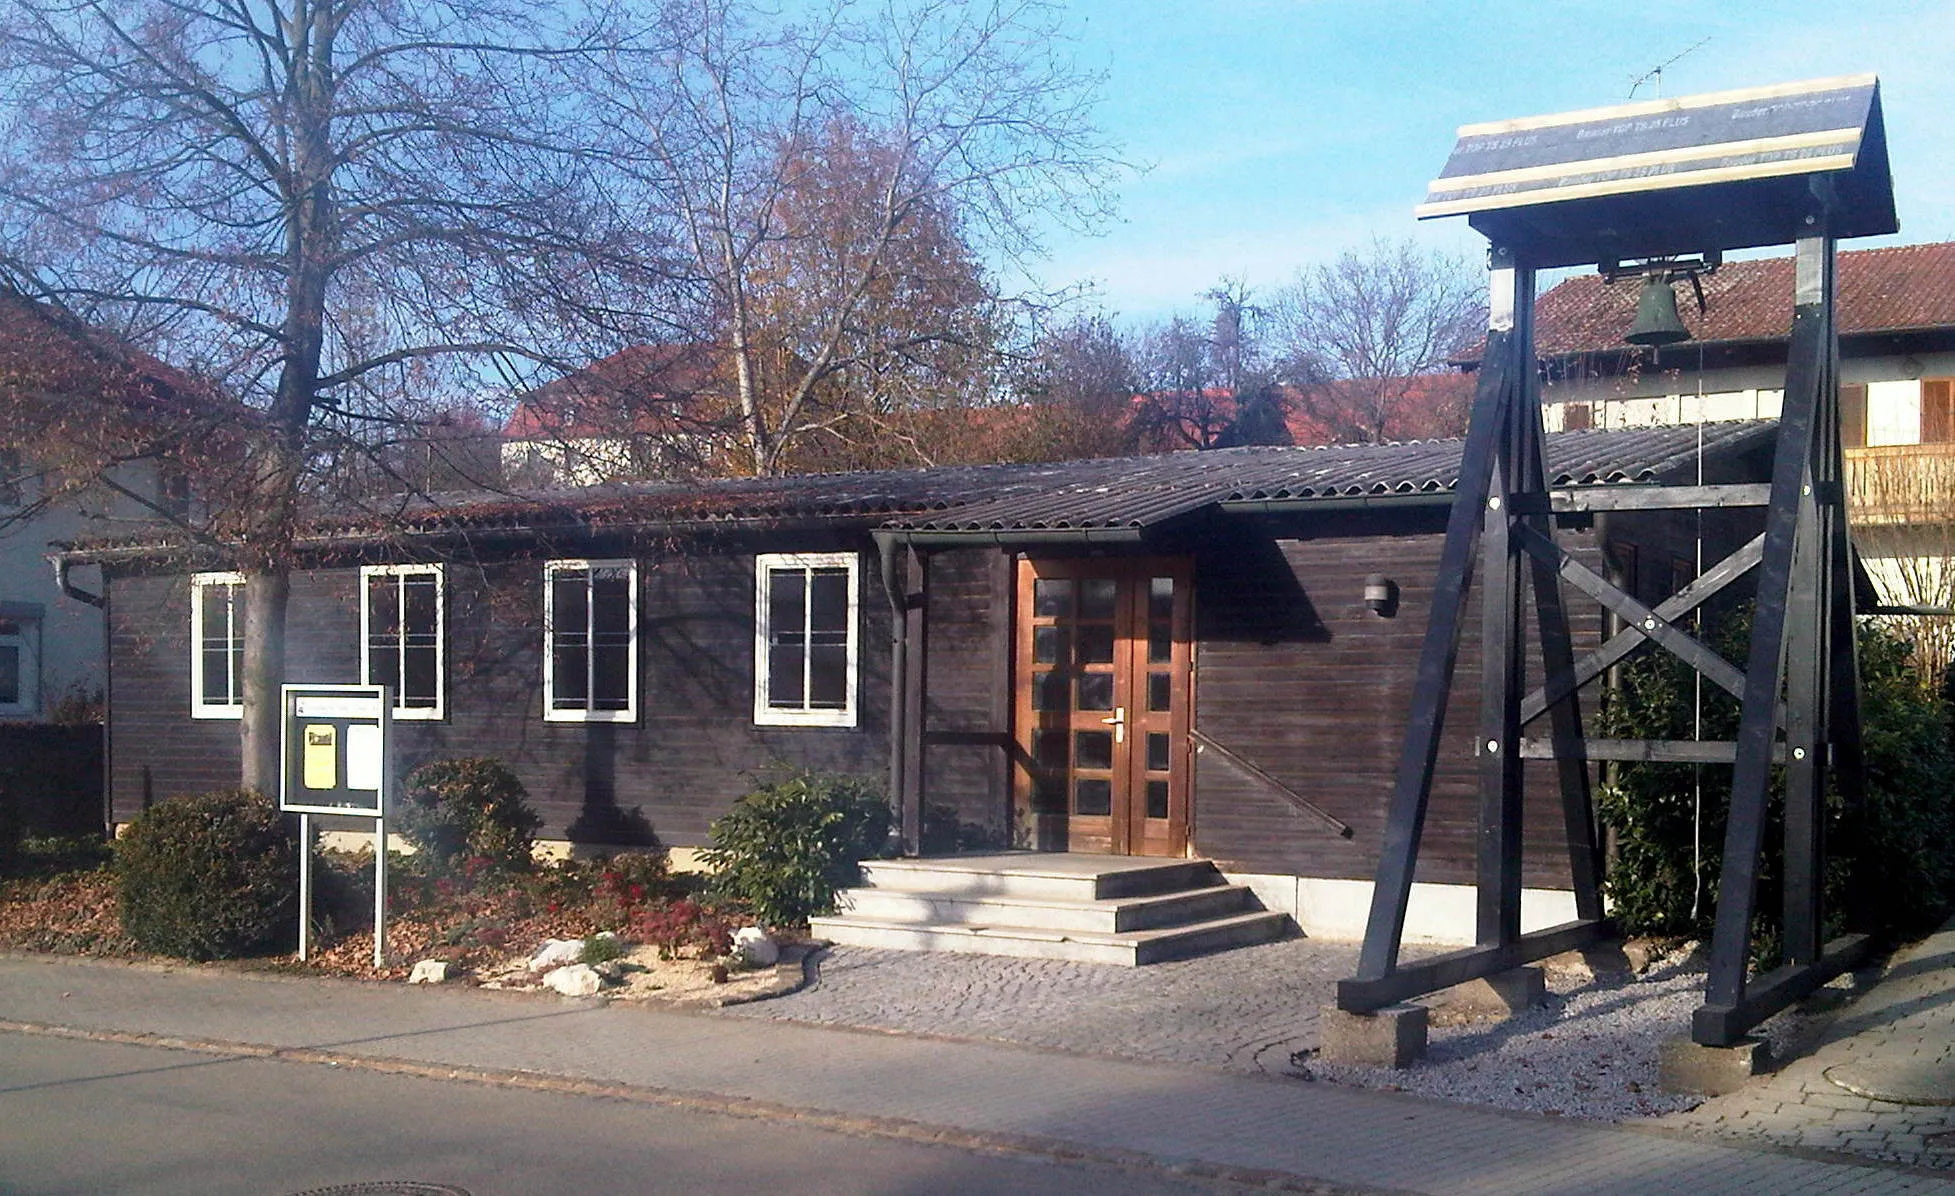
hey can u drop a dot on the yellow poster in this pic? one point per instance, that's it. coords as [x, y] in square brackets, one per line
[320, 766]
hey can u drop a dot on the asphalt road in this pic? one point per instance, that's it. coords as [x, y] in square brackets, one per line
[93, 1117]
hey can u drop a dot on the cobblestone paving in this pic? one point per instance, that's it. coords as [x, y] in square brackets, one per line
[1895, 1040]
[1249, 1010]
[1246, 1010]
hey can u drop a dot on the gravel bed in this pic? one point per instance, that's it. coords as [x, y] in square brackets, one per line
[1590, 1052]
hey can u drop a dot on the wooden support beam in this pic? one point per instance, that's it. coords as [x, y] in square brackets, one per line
[1499, 380]
[916, 634]
[1591, 499]
[1503, 647]
[1645, 751]
[1807, 356]
[1558, 662]
[1718, 1024]
[1364, 995]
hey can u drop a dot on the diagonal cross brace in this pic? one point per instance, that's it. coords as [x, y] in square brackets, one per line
[1661, 630]
[1709, 584]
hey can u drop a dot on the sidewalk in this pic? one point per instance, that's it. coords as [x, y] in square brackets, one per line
[1169, 1114]
[1881, 1082]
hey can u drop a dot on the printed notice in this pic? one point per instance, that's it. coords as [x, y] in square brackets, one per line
[363, 757]
[320, 768]
[322, 706]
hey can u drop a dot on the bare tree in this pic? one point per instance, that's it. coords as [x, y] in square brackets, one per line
[1353, 336]
[320, 206]
[838, 182]
[1214, 388]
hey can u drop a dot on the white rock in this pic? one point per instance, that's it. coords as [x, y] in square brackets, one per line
[574, 980]
[429, 971]
[555, 953]
[753, 948]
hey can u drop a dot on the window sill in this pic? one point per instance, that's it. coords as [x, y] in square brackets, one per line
[218, 713]
[590, 716]
[804, 718]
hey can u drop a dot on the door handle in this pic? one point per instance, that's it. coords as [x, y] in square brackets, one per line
[1119, 724]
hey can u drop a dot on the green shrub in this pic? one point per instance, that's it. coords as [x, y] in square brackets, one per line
[1892, 850]
[453, 811]
[208, 877]
[601, 948]
[786, 849]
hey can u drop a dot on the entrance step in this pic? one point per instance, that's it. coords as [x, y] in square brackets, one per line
[1100, 909]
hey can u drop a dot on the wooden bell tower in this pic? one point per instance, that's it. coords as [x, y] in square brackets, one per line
[1660, 186]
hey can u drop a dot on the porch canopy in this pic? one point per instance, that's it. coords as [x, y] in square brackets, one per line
[1723, 170]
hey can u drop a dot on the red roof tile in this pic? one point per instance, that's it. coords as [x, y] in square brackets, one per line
[635, 389]
[1899, 289]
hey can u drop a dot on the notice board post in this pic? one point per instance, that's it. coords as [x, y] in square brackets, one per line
[337, 758]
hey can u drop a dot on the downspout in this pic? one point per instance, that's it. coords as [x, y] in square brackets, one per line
[899, 675]
[68, 587]
[99, 602]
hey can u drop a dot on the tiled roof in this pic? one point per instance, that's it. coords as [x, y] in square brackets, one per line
[1900, 289]
[1107, 493]
[1122, 492]
[633, 390]
[1137, 492]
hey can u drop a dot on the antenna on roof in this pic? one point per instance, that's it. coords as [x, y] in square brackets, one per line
[1655, 74]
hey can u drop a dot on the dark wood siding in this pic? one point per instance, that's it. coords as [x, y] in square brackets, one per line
[966, 784]
[693, 750]
[1295, 674]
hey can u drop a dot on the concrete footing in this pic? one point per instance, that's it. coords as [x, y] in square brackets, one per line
[1500, 995]
[1687, 1066]
[1395, 1036]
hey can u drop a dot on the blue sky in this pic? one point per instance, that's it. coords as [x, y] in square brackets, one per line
[1277, 133]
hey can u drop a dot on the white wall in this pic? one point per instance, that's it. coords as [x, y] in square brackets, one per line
[1748, 392]
[69, 634]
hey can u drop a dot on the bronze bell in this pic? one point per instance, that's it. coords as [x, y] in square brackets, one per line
[1657, 321]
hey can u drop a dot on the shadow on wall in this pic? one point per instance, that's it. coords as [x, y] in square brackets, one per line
[602, 821]
[1250, 593]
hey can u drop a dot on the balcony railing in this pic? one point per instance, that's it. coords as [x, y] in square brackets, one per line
[1901, 483]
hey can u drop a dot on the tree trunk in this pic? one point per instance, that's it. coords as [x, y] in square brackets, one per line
[266, 591]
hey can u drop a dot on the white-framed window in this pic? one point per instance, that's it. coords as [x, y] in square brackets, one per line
[590, 641]
[805, 639]
[20, 663]
[217, 645]
[403, 636]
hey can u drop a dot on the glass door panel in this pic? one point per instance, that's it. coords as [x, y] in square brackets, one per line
[1103, 659]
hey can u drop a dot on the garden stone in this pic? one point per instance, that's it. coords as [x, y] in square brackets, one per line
[555, 953]
[574, 980]
[754, 948]
[430, 971]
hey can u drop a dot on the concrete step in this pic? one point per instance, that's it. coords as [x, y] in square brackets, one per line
[1130, 948]
[1037, 876]
[1106, 916]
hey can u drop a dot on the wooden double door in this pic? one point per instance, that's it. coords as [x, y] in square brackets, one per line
[1104, 694]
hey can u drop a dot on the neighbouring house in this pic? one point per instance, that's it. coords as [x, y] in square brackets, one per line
[90, 439]
[1897, 393]
[1189, 654]
[634, 414]
[87, 432]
